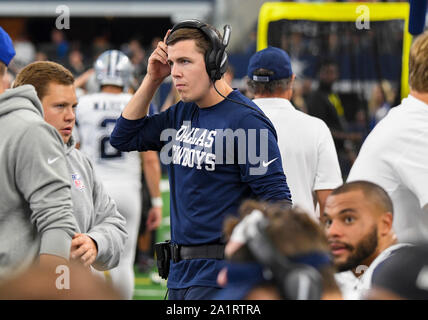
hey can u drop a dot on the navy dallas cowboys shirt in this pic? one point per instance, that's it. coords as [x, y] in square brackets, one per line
[204, 187]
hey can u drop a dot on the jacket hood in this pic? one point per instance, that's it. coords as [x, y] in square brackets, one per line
[22, 97]
[71, 144]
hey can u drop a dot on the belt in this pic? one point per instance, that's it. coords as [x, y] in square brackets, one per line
[207, 251]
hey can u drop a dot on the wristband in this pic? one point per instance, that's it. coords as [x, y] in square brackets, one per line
[157, 202]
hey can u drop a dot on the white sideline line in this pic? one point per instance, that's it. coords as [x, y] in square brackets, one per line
[165, 221]
[164, 185]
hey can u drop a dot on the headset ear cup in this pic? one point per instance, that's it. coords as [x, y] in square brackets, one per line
[303, 283]
[218, 65]
[211, 65]
[223, 62]
[216, 59]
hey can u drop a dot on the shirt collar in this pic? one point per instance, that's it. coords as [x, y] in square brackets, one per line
[411, 100]
[274, 103]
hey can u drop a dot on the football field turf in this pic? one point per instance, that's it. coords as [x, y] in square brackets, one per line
[149, 286]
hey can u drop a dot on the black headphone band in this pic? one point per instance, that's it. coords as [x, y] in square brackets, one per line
[216, 58]
[191, 23]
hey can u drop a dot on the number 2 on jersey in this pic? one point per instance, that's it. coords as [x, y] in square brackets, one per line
[107, 151]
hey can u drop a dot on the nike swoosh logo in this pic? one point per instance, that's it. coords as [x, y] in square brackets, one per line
[50, 161]
[265, 164]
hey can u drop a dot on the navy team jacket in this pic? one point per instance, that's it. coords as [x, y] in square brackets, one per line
[217, 157]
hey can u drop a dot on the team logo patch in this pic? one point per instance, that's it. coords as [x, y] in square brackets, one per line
[77, 181]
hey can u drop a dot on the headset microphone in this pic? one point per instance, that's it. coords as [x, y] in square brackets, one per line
[216, 58]
[226, 35]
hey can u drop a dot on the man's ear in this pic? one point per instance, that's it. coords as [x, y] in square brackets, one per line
[385, 223]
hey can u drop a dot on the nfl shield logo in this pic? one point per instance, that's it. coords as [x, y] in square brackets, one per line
[77, 181]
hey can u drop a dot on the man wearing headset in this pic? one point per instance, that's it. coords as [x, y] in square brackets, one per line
[207, 182]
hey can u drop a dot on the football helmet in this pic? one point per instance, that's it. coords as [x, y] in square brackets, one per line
[113, 67]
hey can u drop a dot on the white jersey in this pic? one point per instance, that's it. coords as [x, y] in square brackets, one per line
[309, 157]
[120, 173]
[395, 156]
[96, 116]
[356, 288]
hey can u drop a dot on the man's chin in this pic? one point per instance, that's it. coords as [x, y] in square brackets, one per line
[66, 138]
[344, 265]
[341, 262]
[185, 99]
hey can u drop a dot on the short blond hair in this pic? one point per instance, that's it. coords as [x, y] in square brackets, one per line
[418, 64]
[41, 73]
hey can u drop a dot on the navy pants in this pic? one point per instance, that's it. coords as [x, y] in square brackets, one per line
[193, 293]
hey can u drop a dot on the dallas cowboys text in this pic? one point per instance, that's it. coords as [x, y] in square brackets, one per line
[202, 148]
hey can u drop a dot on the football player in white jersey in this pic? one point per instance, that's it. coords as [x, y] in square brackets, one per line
[358, 221]
[119, 171]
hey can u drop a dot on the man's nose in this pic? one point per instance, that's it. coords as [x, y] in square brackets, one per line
[175, 71]
[70, 114]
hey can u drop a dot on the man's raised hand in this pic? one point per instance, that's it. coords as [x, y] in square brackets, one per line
[158, 67]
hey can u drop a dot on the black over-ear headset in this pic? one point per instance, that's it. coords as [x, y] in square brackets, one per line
[295, 281]
[216, 59]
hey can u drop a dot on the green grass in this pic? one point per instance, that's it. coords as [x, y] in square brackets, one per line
[148, 289]
[149, 286]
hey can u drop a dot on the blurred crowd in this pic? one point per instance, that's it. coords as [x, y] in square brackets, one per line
[326, 59]
[74, 55]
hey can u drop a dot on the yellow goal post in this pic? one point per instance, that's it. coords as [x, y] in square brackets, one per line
[338, 12]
